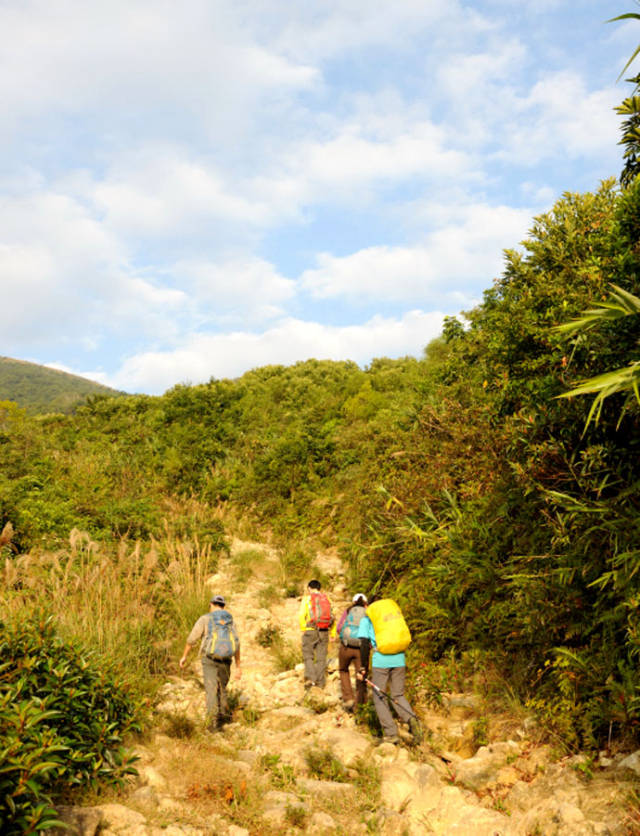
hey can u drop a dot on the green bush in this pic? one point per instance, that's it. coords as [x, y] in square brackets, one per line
[62, 721]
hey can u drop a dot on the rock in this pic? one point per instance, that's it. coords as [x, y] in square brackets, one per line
[631, 762]
[79, 821]
[150, 776]
[557, 818]
[347, 745]
[146, 795]
[397, 787]
[324, 789]
[116, 818]
[385, 750]
[170, 805]
[470, 701]
[283, 807]
[286, 675]
[481, 771]
[247, 756]
[285, 718]
[321, 823]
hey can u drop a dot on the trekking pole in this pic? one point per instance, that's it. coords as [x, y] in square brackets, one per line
[384, 694]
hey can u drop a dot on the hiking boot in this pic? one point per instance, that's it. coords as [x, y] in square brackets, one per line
[308, 684]
[348, 706]
[392, 738]
[415, 729]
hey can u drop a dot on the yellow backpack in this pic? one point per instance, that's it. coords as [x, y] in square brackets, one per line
[392, 633]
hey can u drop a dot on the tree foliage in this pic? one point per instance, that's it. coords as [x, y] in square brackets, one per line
[630, 109]
[62, 722]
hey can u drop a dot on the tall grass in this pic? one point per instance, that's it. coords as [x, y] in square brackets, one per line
[131, 603]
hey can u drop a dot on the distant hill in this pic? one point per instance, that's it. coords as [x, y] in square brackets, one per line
[41, 390]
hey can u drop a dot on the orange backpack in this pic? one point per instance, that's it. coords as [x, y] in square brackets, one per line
[320, 611]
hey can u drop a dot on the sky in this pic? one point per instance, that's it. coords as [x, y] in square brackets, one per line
[192, 190]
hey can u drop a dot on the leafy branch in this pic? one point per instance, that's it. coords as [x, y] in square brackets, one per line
[620, 304]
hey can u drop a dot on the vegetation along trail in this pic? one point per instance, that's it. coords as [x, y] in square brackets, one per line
[293, 761]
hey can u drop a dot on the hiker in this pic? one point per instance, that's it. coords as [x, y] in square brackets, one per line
[349, 652]
[219, 644]
[388, 670]
[317, 625]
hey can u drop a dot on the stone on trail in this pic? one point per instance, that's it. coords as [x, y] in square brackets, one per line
[481, 771]
[116, 818]
[631, 762]
[79, 821]
[347, 745]
[285, 718]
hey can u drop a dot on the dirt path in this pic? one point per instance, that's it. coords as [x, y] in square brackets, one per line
[294, 762]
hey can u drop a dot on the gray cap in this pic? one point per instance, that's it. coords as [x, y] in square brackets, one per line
[218, 599]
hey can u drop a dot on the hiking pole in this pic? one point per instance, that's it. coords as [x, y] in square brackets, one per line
[384, 694]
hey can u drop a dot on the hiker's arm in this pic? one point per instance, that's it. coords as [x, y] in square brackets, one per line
[196, 634]
[303, 613]
[333, 633]
[365, 650]
[236, 657]
[185, 653]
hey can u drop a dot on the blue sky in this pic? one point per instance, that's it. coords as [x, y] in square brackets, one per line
[193, 190]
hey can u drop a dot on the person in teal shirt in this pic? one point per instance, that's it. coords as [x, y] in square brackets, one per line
[388, 670]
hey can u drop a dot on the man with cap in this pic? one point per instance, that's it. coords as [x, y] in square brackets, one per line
[219, 644]
[349, 652]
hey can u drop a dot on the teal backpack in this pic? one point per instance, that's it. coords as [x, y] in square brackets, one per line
[220, 643]
[349, 630]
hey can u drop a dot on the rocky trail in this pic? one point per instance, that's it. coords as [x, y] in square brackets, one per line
[294, 762]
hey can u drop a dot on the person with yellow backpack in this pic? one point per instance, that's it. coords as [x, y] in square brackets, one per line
[384, 630]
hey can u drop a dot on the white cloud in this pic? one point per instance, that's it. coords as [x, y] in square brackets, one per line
[238, 288]
[350, 159]
[323, 30]
[162, 191]
[448, 268]
[229, 355]
[499, 64]
[560, 117]
[69, 278]
[132, 62]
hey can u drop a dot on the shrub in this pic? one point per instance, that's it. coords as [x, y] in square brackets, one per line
[268, 635]
[286, 655]
[62, 721]
[323, 764]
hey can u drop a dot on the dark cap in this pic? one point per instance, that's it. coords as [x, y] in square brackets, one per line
[218, 599]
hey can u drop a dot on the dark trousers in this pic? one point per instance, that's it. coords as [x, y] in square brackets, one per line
[216, 677]
[393, 678]
[314, 655]
[346, 656]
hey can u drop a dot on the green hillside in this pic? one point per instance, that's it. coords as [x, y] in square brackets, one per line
[41, 390]
[503, 516]
[460, 484]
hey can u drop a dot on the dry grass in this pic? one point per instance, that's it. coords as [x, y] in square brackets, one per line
[125, 601]
[206, 783]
